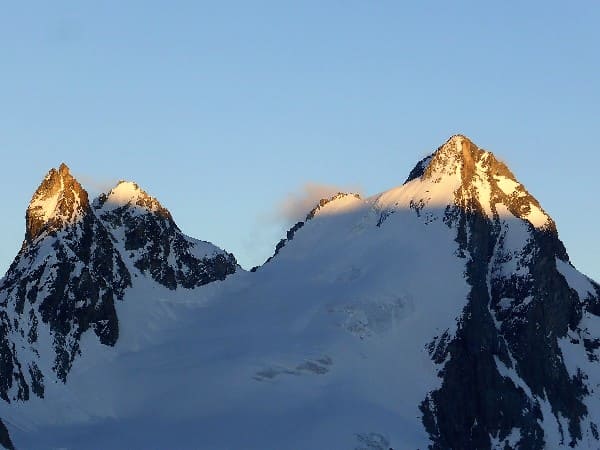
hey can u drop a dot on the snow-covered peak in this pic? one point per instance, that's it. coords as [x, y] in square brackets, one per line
[338, 204]
[129, 194]
[59, 200]
[152, 243]
[125, 192]
[375, 320]
[460, 173]
[457, 153]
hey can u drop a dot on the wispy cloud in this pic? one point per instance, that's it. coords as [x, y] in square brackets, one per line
[270, 225]
[295, 205]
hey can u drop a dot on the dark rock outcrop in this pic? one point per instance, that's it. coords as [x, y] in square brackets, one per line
[67, 275]
[5, 440]
[72, 269]
[155, 244]
[477, 399]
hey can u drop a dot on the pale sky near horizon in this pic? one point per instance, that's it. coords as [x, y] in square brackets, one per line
[228, 112]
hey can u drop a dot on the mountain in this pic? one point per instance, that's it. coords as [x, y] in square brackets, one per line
[146, 232]
[75, 264]
[443, 314]
[64, 281]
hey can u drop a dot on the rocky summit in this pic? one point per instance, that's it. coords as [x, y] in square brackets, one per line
[443, 313]
[74, 266]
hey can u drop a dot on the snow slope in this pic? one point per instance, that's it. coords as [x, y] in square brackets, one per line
[346, 339]
[295, 343]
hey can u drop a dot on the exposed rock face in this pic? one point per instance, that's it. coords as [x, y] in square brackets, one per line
[516, 353]
[508, 369]
[63, 282]
[419, 169]
[76, 262]
[60, 201]
[155, 244]
[505, 362]
[5, 440]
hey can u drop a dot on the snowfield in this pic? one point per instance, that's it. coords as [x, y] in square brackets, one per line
[329, 345]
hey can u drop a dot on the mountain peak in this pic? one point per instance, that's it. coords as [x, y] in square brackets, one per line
[452, 153]
[129, 194]
[461, 173]
[459, 137]
[153, 242]
[458, 154]
[126, 192]
[335, 204]
[59, 200]
[63, 169]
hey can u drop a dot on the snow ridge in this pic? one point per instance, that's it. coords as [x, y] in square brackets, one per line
[75, 266]
[442, 313]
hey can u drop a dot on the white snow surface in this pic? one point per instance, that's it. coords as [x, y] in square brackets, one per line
[507, 185]
[321, 348]
[125, 192]
[324, 343]
[128, 193]
[139, 203]
[536, 216]
[45, 207]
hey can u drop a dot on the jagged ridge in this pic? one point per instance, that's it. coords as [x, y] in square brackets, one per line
[477, 401]
[519, 303]
[76, 261]
[455, 286]
[155, 244]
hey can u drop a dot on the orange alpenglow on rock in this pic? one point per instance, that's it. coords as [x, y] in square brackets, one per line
[59, 201]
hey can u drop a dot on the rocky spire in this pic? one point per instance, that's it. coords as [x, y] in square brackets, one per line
[72, 287]
[476, 180]
[59, 201]
[458, 151]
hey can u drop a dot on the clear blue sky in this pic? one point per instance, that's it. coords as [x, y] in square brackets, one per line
[222, 109]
